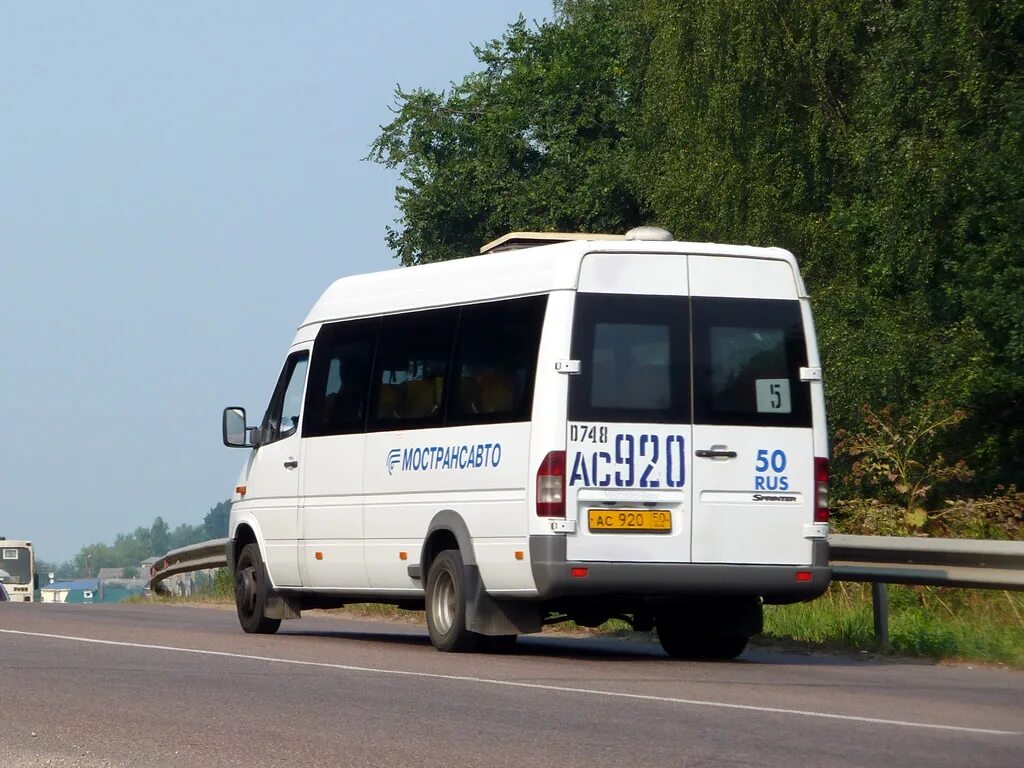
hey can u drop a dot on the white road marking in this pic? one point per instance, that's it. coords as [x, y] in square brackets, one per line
[514, 684]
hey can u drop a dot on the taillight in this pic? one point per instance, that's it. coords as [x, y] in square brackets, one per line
[820, 490]
[551, 485]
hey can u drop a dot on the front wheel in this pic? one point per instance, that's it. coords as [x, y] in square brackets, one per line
[251, 590]
[446, 604]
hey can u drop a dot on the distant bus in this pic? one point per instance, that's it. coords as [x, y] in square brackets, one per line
[18, 570]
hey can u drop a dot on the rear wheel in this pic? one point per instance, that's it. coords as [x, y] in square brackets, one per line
[717, 629]
[690, 643]
[446, 604]
[251, 590]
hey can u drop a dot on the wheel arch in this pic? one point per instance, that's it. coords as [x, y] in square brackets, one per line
[245, 530]
[447, 528]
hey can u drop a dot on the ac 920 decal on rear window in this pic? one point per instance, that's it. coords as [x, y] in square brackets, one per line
[626, 459]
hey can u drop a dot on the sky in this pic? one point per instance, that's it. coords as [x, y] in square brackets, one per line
[178, 184]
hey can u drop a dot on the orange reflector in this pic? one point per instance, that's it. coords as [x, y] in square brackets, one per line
[519, 555]
[240, 490]
[319, 555]
[579, 573]
[403, 555]
[803, 575]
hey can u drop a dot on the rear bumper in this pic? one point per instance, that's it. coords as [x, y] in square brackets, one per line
[775, 583]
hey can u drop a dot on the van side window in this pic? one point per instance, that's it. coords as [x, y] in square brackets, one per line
[747, 355]
[496, 361]
[282, 417]
[634, 354]
[339, 378]
[413, 354]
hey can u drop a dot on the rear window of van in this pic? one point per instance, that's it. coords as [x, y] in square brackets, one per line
[639, 364]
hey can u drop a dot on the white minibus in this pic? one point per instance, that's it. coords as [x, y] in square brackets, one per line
[564, 427]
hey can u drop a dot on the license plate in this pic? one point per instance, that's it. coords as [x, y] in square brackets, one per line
[630, 520]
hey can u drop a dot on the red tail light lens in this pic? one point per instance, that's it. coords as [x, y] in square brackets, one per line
[551, 485]
[820, 490]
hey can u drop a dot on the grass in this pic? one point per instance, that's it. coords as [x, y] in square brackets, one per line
[966, 625]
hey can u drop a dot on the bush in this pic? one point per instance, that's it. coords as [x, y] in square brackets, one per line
[997, 516]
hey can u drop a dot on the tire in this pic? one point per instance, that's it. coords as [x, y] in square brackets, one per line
[446, 604]
[684, 640]
[251, 590]
[703, 646]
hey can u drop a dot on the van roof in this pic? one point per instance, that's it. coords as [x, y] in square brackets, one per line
[499, 273]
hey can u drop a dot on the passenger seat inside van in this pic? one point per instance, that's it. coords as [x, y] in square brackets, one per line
[497, 392]
[421, 398]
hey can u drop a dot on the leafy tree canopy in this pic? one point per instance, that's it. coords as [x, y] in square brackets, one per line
[881, 142]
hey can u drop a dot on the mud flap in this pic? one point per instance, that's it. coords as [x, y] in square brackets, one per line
[279, 607]
[487, 616]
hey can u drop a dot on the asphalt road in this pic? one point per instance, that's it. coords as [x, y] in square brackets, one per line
[171, 686]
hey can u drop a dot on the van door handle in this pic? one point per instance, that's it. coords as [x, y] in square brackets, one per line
[704, 453]
[291, 464]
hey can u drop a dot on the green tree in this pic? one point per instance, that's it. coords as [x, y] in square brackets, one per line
[535, 140]
[91, 558]
[215, 524]
[159, 537]
[881, 142]
[183, 535]
[929, 216]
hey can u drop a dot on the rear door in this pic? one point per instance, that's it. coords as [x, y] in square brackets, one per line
[629, 432]
[753, 465]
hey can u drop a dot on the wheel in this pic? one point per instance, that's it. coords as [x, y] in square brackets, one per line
[251, 588]
[446, 604]
[712, 647]
[687, 636]
[687, 642]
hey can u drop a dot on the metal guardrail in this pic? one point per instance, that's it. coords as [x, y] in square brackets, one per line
[878, 560]
[195, 557]
[970, 563]
[882, 560]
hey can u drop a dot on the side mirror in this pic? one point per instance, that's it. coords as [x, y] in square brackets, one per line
[234, 430]
[35, 581]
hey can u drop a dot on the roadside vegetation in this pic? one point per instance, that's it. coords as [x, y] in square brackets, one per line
[898, 483]
[951, 624]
